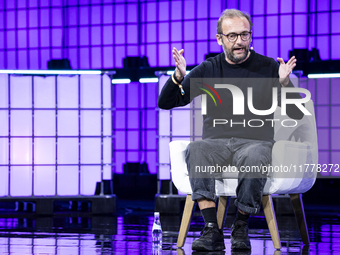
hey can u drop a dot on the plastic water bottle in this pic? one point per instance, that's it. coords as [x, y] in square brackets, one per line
[156, 233]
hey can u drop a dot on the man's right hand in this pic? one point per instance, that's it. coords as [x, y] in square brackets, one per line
[181, 64]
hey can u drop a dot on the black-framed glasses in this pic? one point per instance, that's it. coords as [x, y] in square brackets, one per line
[232, 37]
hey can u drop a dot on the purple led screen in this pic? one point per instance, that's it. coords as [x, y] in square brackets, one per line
[56, 134]
[99, 34]
[135, 125]
[324, 94]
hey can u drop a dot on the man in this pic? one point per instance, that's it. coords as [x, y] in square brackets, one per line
[229, 145]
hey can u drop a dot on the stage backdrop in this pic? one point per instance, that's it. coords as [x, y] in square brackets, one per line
[55, 134]
[99, 34]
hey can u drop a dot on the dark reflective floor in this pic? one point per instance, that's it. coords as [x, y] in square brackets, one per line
[129, 232]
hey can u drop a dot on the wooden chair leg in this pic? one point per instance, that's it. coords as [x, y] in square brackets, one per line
[269, 213]
[180, 252]
[277, 252]
[300, 216]
[223, 203]
[185, 223]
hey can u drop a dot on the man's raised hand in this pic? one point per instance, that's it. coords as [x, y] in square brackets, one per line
[285, 69]
[181, 64]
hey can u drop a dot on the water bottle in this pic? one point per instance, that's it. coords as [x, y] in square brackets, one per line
[156, 233]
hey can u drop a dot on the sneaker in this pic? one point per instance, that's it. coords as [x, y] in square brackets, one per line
[239, 236]
[211, 239]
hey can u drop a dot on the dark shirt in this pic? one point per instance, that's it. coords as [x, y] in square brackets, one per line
[258, 72]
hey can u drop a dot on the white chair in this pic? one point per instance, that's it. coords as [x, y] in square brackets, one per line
[294, 147]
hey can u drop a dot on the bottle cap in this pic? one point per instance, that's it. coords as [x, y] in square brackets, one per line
[156, 214]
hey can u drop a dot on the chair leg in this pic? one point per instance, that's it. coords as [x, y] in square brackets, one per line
[269, 213]
[300, 216]
[223, 203]
[186, 219]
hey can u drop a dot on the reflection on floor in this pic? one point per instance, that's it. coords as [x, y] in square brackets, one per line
[129, 232]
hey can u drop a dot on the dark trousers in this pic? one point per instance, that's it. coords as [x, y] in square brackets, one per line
[207, 158]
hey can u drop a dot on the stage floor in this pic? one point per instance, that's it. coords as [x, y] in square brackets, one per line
[129, 232]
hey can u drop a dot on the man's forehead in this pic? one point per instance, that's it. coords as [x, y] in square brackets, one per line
[236, 23]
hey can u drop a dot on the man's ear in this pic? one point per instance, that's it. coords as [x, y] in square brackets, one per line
[219, 39]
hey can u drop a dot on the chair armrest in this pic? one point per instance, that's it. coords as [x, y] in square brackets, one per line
[179, 171]
[293, 156]
[290, 159]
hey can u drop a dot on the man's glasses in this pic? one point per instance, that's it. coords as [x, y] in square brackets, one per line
[232, 37]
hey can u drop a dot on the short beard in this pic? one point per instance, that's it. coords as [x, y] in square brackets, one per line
[232, 57]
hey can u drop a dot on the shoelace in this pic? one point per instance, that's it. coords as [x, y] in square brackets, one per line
[240, 230]
[205, 231]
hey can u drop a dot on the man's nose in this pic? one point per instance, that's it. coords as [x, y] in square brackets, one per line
[238, 39]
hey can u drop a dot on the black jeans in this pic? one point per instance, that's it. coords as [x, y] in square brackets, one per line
[206, 158]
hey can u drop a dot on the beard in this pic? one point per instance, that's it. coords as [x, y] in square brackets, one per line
[232, 57]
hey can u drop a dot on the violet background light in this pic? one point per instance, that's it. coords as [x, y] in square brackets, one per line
[182, 123]
[55, 135]
[135, 124]
[99, 34]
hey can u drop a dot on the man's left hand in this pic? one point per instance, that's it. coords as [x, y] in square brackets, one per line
[285, 70]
